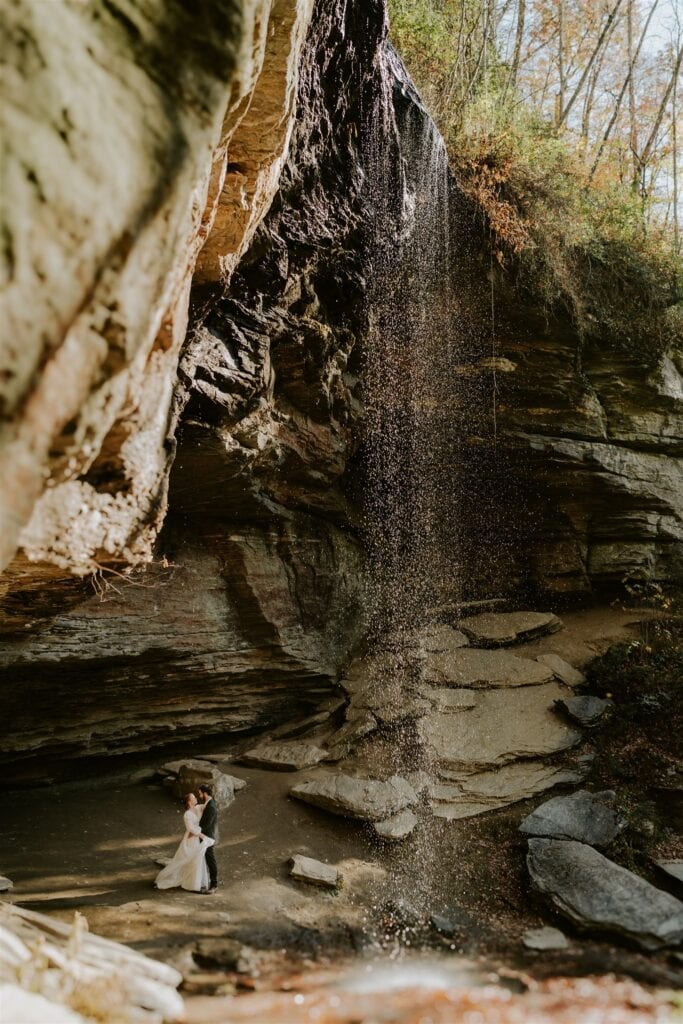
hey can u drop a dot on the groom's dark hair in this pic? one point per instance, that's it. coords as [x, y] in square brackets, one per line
[206, 789]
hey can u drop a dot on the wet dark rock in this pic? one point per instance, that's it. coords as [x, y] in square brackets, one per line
[586, 711]
[598, 895]
[587, 817]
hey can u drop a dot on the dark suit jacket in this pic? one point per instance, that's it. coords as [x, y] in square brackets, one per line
[209, 820]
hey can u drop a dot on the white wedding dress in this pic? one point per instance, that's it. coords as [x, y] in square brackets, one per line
[188, 868]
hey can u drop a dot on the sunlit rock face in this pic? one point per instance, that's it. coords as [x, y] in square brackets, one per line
[121, 117]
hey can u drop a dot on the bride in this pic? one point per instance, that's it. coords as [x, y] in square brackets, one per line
[188, 868]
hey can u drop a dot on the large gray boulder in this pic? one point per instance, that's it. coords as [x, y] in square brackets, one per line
[366, 799]
[587, 817]
[598, 895]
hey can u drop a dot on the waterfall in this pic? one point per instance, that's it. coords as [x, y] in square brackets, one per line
[410, 439]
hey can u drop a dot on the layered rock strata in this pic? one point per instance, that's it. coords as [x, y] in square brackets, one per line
[256, 583]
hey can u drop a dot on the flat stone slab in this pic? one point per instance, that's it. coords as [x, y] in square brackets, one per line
[563, 671]
[587, 817]
[474, 794]
[306, 869]
[673, 868]
[478, 669]
[398, 827]
[439, 638]
[545, 938]
[504, 725]
[601, 896]
[449, 702]
[284, 757]
[497, 629]
[5, 884]
[585, 711]
[365, 799]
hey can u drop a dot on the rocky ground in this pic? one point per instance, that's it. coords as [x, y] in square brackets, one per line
[452, 900]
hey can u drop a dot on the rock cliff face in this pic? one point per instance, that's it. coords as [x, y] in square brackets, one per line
[256, 584]
[580, 477]
[185, 272]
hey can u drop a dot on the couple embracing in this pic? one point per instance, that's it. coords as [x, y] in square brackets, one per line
[194, 865]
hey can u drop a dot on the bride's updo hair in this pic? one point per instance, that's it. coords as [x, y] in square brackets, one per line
[186, 799]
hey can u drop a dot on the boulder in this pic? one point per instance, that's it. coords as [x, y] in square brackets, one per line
[398, 827]
[565, 672]
[498, 629]
[598, 895]
[504, 725]
[585, 711]
[452, 922]
[366, 799]
[5, 884]
[587, 817]
[477, 669]
[545, 939]
[306, 869]
[284, 757]
[190, 778]
[469, 795]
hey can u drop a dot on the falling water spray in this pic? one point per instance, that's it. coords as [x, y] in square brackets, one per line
[410, 396]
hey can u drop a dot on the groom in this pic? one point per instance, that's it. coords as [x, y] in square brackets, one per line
[209, 823]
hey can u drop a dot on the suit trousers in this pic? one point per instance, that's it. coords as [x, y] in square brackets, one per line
[212, 866]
